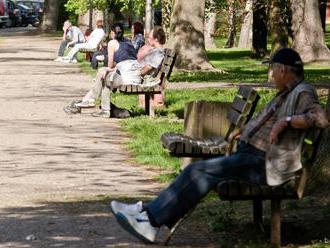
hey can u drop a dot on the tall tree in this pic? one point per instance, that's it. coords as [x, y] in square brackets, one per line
[280, 24]
[210, 23]
[323, 13]
[148, 17]
[167, 8]
[245, 38]
[49, 22]
[259, 41]
[232, 11]
[187, 35]
[307, 31]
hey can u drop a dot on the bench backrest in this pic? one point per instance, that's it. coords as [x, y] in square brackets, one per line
[242, 108]
[167, 65]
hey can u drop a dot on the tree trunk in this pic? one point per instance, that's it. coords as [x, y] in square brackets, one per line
[260, 29]
[307, 31]
[280, 24]
[148, 20]
[210, 23]
[187, 35]
[167, 7]
[231, 24]
[245, 38]
[90, 17]
[323, 13]
[49, 22]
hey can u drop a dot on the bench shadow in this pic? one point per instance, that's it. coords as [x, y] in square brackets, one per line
[79, 223]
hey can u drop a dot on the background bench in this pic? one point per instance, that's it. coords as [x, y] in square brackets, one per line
[163, 75]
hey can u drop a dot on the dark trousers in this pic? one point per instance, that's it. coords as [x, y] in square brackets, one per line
[62, 48]
[198, 179]
[95, 62]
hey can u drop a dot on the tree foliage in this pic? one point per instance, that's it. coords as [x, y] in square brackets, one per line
[81, 6]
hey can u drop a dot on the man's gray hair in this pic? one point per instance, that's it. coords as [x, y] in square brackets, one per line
[67, 23]
[297, 71]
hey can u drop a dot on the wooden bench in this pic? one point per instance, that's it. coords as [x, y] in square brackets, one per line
[233, 190]
[163, 74]
[241, 111]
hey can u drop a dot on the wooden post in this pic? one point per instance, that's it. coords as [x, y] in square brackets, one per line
[276, 223]
[149, 108]
[204, 119]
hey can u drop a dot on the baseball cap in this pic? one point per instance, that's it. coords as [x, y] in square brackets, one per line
[286, 56]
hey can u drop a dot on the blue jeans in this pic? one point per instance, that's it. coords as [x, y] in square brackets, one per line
[198, 179]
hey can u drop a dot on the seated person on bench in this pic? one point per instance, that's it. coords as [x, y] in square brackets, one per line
[92, 43]
[277, 130]
[127, 72]
[72, 35]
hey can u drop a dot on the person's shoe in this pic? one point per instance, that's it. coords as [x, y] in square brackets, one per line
[72, 110]
[100, 58]
[58, 59]
[102, 113]
[87, 104]
[65, 60]
[130, 209]
[138, 225]
[73, 61]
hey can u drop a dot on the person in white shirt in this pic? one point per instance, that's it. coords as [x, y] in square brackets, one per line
[92, 43]
[72, 35]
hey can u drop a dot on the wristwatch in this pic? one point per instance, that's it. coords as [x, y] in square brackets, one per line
[288, 120]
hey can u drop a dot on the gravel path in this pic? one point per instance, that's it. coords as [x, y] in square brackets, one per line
[51, 162]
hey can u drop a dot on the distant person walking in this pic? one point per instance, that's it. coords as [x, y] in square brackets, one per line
[72, 35]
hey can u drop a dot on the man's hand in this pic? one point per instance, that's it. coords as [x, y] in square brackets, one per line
[278, 127]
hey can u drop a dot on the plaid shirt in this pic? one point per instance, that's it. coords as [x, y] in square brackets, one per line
[307, 105]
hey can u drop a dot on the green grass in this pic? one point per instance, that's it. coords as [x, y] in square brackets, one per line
[146, 132]
[240, 67]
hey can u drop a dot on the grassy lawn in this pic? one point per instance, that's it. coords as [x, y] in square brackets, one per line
[240, 67]
[145, 143]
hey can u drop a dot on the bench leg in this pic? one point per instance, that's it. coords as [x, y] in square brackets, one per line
[149, 108]
[258, 214]
[175, 227]
[276, 223]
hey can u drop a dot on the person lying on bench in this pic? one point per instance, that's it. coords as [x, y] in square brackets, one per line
[122, 72]
[268, 153]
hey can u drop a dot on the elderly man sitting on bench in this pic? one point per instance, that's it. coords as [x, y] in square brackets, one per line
[268, 153]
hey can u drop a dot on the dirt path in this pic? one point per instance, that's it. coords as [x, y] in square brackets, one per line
[49, 161]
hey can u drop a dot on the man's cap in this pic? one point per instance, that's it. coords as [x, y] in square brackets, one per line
[286, 56]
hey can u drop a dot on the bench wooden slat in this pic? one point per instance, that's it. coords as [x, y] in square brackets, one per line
[241, 105]
[247, 93]
[236, 118]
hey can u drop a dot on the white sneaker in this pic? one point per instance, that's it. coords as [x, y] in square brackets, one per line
[130, 209]
[100, 57]
[58, 59]
[87, 104]
[73, 61]
[138, 225]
